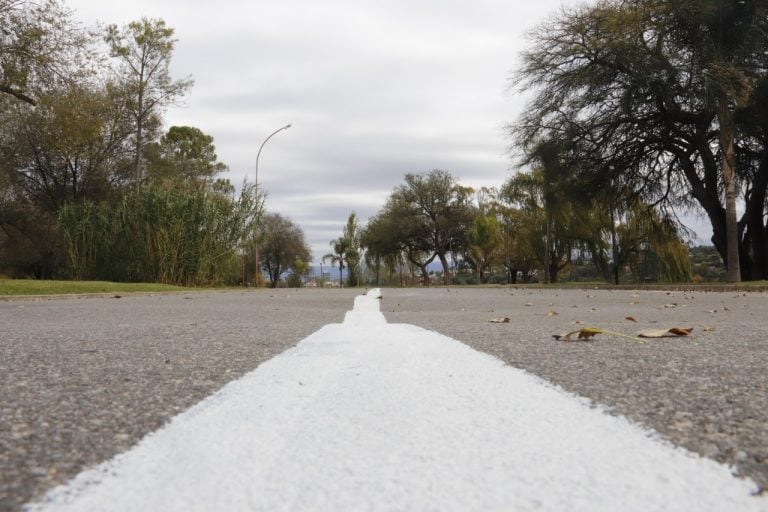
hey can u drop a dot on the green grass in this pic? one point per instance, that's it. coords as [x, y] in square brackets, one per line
[10, 287]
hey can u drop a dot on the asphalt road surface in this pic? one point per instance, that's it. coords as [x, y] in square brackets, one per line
[84, 379]
[707, 393]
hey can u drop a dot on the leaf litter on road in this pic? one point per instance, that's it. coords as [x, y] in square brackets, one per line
[587, 333]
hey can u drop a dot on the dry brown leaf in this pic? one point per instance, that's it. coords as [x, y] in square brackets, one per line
[582, 334]
[673, 332]
[552, 313]
[586, 333]
[631, 319]
[501, 320]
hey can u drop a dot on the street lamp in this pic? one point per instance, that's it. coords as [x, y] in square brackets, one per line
[256, 262]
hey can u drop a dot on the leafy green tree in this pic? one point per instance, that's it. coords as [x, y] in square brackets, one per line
[646, 94]
[728, 39]
[185, 155]
[382, 243]
[71, 147]
[281, 243]
[298, 269]
[412, 237]
[41, 47]
[352, 236]
[144, 48]
[436, 212]
[547, 230]
[485, 243]
[341, 248]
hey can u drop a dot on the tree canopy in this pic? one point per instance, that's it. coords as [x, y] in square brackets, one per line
[648, 95]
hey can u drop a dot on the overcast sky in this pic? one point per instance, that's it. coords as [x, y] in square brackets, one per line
[374, 89]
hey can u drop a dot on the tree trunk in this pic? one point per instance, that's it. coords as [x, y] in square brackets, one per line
[553, 273]
[548, 246]
[756, 229]
[446, 269]
[725, 117]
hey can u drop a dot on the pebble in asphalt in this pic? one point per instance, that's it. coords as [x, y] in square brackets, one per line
[83, 379]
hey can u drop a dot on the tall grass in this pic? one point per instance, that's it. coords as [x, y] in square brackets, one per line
[173, 236]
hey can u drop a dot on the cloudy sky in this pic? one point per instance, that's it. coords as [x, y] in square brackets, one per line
[374, 89]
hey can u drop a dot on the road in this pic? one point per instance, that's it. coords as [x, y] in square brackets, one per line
[86, 378]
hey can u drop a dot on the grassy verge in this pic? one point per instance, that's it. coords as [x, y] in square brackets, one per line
[10, 287]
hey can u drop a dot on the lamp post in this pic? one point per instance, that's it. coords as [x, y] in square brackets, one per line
[256, 262]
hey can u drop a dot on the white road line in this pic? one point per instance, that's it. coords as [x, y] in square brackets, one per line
[367, 415]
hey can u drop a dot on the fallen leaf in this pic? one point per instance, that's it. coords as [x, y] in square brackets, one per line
[665, 333]
[585, 333]
[631, 319]
[582, 334]
[709, 329]
[674, 305]
[552, 313]
[502, 320]
[529, 303]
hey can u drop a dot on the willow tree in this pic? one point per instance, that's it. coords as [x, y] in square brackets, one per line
[485, 243]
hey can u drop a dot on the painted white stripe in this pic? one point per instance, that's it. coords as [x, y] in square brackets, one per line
[373, 416]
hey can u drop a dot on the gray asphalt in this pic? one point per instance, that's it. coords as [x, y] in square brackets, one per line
[83, 379]
[707, 393]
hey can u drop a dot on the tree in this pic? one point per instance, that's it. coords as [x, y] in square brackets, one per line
[382, 243]
[646, 93]
[728, 38]
[352, 236]
[438, 210]
[298, 269]
[282, 243]
[41, 47]
[144, 49]
[545, 230]
[341, 248]
[185, 155]
[71, 147]
[485, 243]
